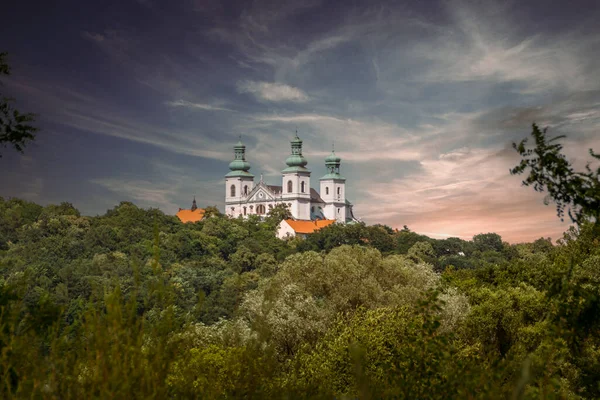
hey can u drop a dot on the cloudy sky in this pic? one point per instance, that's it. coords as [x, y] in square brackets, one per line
[143, 101]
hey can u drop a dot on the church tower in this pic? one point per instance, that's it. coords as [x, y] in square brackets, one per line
[333, 189]
[296, 182]
[238, 182]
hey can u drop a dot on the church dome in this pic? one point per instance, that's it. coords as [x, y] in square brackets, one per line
[239, 165]
[296, 160]
[332, 158]
[332, 162]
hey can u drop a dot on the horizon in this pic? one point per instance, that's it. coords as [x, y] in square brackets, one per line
[143, 101]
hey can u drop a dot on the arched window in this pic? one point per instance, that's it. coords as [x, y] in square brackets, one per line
[312, 209]
[289, 186]
[260, 209]
[245, 190]
[338, 210]
[232, 194]
[244, 210]
[327, 190]
[339, 191]
[302, 186]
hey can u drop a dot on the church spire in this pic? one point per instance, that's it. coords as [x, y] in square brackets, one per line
[239, 166]
[194, 206]
[332, 163]
[296, 161]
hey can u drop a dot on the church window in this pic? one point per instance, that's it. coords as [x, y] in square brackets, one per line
[339, 191]
[312, 209]
[327, 190]
[232, 194]
[338, 210]
[260, 209]
[244, 210]
[246, 190]
[289, 184]
[302, 185]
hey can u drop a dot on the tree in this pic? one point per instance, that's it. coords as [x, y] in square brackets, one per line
[488, 242]
[550, 171]
[14, 125]
[278, 214]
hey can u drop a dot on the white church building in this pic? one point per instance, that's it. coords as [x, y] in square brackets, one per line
[243, 197]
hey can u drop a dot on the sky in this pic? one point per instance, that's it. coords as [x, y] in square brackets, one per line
[143, 100]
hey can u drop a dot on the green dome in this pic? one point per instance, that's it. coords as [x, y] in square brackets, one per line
[332, 162]
[239, 165]
[296, 160]
[332, 158]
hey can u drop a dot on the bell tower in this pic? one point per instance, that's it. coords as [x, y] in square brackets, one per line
[296, 182]
[238, 182]
[333, 189]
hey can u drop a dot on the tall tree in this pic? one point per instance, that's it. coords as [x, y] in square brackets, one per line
[15, 129]
[551, 172]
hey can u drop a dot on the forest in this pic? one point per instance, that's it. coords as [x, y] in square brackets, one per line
[135, 304]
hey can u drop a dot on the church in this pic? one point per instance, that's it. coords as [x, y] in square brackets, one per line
[243, 197]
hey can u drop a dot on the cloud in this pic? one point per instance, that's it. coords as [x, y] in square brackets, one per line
[462, 193]
[94, 37]
[200, 106]
[485, 44]
[165, 186]
[70, 108]
[274, 92]
[143, 193]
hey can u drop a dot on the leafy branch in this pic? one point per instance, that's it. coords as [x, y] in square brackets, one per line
[15, 129]
[551, 172]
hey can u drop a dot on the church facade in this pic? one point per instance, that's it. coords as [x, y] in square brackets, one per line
[244, 197]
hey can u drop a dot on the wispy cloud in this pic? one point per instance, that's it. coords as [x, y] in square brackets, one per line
[485, 44]
[272, 91]
[144, 193]
[462, 193]
[68, 107]
[165, 186]
[94, 37]
[199, 106]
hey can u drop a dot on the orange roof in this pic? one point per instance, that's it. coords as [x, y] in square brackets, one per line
[191, 216]
[308, 226]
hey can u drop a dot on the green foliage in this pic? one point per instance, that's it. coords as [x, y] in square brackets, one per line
[15, 129]
[488, 242]
[550, 171]
[133, 303]
[15, 213]
[390, 353]
[277, 214]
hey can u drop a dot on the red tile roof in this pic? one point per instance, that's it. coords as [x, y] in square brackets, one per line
[191, 216]
[308, 226]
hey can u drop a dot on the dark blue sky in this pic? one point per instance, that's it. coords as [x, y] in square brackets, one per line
[143, 101]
